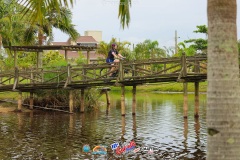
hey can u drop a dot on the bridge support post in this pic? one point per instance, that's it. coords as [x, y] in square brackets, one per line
[185, 100]
[196, 109]
[82, 101]
[107, 97]
[134, 100]
[15, 59]
[31, 100]
[19, 101]
[71, 101]
[88, 57]
[123, 101]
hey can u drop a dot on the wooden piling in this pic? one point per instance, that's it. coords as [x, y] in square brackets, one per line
[107, 97]
[134, 127]
[123, 101]
[82, 101]
[31, 100]
[196, 109]
[19, 101]
[185, 100]
[123, 126]
[134, 100]
[71, 101]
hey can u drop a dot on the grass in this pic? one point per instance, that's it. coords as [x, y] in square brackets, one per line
[165, 87]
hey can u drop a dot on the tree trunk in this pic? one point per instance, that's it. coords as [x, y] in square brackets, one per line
[40, 54]
[223, 98]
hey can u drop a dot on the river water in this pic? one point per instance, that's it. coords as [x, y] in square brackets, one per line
[158, 130]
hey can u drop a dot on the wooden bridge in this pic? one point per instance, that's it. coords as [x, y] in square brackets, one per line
[130, 73]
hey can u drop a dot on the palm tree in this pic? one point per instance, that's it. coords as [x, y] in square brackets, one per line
[223, 98]
[123, 47]
[148, 49]
[61, 20]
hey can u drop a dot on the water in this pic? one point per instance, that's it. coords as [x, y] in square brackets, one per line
[158, 123]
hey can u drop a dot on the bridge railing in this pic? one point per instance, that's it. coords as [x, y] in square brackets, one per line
[180, 67]
[163, 68]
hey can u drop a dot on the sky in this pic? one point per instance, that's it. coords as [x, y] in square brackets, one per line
[150, 19]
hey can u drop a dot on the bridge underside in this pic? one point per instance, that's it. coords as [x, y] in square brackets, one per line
[107, 82]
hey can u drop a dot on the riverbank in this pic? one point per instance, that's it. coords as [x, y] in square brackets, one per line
[6, 107]
[8, 102]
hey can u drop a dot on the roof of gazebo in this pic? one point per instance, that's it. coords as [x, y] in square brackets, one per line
[52, 47]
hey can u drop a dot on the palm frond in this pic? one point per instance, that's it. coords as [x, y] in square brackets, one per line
[124, 12]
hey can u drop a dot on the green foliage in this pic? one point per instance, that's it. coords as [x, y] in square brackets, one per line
[53, 59]
[201, 29]
[16, 29]
[27, 59]
[165, 87]
[189, 51]
[8, 63]
[124, 12]
[148, 50]
[123, 48]
[60, 97]
[81, 59]
[12, 24]
[200, 43]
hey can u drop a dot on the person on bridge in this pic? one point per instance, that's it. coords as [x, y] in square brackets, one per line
[113, 57]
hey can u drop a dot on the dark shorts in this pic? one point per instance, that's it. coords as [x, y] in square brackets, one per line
[108, 60]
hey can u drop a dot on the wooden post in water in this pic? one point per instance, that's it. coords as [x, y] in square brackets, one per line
[123, 101]
[185, 100]
[134, 100]
[82, 101]
[71, 101]
[31, 100]
[19, 101]
[107, 97]
[196, 109]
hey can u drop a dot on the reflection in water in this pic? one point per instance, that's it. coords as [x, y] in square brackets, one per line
[185, 134]
[134, 127]
[71, 124]
[123, 122]
[158, 123]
